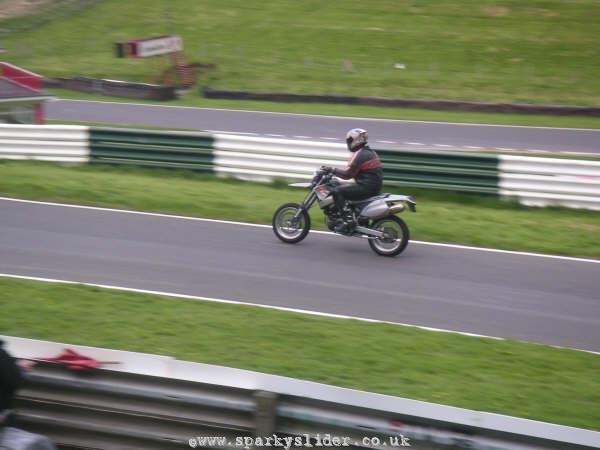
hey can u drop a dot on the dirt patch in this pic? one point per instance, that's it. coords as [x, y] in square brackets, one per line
[16, 8]
[545, 13]
[495, 11]
[586, 227]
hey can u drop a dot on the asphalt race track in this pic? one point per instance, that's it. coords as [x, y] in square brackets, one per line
[383, 133]
[526, 297]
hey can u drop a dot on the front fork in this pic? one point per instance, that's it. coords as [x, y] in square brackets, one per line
[305, 206]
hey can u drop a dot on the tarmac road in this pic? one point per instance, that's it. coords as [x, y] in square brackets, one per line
[383, 133]
[521, 296]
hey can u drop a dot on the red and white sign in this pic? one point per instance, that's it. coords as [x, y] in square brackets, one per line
[160, 45]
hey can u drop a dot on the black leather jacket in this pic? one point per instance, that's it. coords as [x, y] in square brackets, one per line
[11, 379]
[365, 167]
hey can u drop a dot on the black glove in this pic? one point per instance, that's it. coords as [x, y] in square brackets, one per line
[327, 169]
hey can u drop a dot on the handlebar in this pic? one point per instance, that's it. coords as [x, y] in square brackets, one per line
[321, 175]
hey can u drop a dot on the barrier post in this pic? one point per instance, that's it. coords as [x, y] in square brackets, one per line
[265, 413]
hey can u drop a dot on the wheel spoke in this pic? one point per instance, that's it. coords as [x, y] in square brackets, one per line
[288, 224]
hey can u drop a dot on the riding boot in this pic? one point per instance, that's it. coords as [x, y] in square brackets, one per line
[341, 227]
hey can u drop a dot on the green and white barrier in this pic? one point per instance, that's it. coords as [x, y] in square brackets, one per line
[532, 180]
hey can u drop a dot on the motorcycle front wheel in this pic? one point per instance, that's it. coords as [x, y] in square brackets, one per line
[395, 237]
[289, 228]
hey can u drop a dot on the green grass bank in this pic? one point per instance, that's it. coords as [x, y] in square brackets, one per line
[526, 52]
[507, 377]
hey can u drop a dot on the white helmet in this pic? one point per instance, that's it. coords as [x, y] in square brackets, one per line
[356, 138]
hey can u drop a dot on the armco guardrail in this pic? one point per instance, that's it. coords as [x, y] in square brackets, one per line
[58, 143]
[532, 180]
[169, 149]
[156, 402]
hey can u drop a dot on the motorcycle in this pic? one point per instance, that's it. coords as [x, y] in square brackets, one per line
[373, 218]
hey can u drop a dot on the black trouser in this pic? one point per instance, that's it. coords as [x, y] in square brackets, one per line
[352, 191]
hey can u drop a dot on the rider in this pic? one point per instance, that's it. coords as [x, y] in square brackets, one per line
[365, 167]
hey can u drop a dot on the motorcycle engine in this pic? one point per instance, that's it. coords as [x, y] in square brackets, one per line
[330, 223]
[331, 217]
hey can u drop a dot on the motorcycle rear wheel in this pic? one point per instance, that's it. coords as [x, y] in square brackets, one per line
[288, 229]
[396, 236]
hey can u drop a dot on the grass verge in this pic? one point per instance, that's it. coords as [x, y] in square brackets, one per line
[507, 377]
[441, 217]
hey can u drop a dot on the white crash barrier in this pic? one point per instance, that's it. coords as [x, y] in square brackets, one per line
[538, 181]
[59, 143]
[264, 159]
[533, 181]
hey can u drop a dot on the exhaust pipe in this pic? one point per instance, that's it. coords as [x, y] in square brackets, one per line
[395, 209]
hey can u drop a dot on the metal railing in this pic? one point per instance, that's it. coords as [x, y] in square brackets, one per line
[155, 402]
[115, 410]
